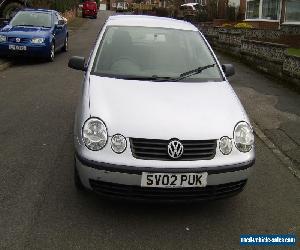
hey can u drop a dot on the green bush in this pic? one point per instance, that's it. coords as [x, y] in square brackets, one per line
[231, 13]
[60, 5]
[65, 5]
[163, 12]
[227, 25]
[243, 26]
[39, 4]
[202, 15]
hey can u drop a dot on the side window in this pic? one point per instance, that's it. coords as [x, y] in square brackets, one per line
[55, 19]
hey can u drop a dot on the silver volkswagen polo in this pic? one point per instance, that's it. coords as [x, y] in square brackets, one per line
[157, 118]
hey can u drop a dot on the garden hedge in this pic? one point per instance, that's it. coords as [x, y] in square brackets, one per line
[60, 5]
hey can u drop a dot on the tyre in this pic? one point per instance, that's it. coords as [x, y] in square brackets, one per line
[51, 54]
[77, 182]
[95, 17]
[65, 48]
[11, 9]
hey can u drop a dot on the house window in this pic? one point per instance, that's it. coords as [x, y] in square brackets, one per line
[270, 9]
[292, 13]
[263, 9]
[252, 9]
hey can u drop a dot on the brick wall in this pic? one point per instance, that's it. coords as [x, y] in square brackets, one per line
[270, 58]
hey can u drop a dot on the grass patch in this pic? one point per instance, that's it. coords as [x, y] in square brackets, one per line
[294, 52]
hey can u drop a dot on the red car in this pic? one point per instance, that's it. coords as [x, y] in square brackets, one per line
[89, 8]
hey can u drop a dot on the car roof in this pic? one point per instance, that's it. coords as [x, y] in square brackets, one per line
[149, 21]
[38, 10]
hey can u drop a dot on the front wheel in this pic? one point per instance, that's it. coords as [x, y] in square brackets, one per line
[65, 48]
[51, 52]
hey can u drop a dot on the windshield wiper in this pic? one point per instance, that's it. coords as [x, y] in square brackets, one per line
[191, 72]
[30, 25]
[23, 25]
[154, 78]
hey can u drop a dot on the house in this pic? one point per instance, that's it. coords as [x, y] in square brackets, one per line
[113, 3]
[265, 14]
[272, 13]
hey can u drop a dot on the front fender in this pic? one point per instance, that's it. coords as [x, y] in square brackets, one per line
[51, 37]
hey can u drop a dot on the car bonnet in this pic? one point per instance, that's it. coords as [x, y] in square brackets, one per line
[185, 110]
[24, 31]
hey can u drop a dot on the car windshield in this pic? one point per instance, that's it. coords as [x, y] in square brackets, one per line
[31, 18]
[129, 52]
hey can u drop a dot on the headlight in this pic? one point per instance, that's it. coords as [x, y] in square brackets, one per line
[243, 137]
[2, 38]
[225, 145]
[118, 143]
[37, 40]
[94, 134]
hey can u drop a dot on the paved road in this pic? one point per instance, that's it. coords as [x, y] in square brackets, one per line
[40, 208]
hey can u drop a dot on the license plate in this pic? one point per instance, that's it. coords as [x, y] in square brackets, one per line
[17, 47]
[176, 180]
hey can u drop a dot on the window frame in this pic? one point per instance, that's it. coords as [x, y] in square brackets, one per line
[260, 13]
[285, 15]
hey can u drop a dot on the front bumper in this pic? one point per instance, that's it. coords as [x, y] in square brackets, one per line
[125, 181]
[41, 50]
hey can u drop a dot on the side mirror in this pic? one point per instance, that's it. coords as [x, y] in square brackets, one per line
[77, 62]
[5, 22]
[60, 24]
[228, 69]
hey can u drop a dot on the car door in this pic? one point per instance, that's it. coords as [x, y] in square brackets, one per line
[58, 32]
[64, 27]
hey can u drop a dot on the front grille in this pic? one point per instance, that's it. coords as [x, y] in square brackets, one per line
[153, 149]
[174, 194]
[22, 40]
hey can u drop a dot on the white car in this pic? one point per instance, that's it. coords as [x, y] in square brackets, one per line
[122, 6]
[192, 6]
[157, 118]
